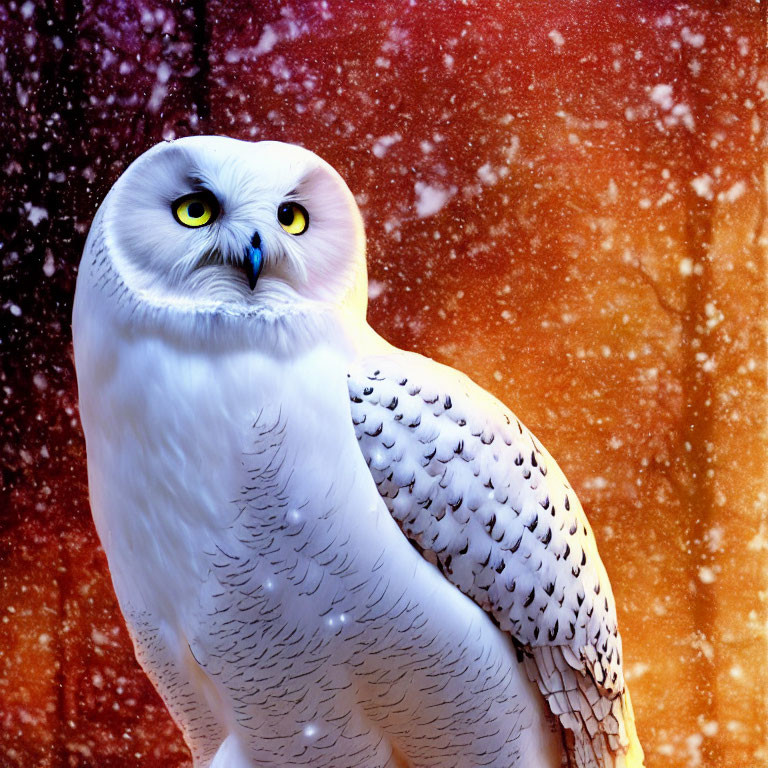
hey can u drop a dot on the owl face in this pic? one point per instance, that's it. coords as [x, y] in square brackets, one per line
[209, 223]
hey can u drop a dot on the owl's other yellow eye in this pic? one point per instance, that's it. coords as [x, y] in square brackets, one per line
[195, 210]
[293, 218]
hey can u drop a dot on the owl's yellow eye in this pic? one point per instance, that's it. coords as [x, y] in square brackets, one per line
[195, 210]
[293, 218]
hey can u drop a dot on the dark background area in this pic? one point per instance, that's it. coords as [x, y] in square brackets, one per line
[567, 201]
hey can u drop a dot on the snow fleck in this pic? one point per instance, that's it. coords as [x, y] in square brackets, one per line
[14, 309]
[27, 10]
[714, 315]
[733, 193]
[638, 669]
[486, 174]
[35, 213]
[159, 92]
[382, 144]
[99, 638]
[707, 575]
[40, 381]
[310, 731]
[267, 41]
[743, 46]
[598, 483]
[678, 113]
[700, 643]
[375, 289]
[163, 72]
[694, 39]
[685, 267]
[702, 185]
[556, 38]
[662, 95]
[693, 744]
[511, 150]
[48, 265]
[714, 538]
[759, 542]
[448, 60]
[430, 199]
[736, 672]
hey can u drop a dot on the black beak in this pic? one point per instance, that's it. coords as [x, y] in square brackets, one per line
[254, 260]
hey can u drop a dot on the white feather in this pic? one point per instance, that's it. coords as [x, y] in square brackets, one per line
[271, 597]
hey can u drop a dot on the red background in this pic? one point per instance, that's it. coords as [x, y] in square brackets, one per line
[598, 263]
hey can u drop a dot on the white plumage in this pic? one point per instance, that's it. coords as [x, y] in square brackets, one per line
[231, 396]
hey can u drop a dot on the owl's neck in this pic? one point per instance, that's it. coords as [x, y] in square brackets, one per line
[277, 321]
[279, 329]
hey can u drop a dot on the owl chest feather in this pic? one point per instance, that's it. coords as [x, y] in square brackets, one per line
[170, 433]
[236, 509]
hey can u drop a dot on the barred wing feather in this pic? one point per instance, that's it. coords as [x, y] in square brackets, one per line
[473, 489]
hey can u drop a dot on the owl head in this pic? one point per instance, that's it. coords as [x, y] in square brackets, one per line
[208, 225]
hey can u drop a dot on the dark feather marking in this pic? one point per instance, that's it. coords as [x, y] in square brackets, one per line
[553, 632]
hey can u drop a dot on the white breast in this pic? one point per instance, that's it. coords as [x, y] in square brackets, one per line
[235, 507]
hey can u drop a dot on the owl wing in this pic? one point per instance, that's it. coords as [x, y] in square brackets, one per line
[473, 489]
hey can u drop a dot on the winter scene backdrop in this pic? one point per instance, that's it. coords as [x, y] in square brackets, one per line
[566, 200]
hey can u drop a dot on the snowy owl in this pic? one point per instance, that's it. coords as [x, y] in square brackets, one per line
[329, 552]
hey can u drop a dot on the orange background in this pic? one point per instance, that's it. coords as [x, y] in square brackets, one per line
[599, 263]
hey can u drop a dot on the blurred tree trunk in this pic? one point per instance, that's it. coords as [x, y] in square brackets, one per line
[700, 410]
[724, 346]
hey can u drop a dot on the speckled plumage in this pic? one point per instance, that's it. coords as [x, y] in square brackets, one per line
[473, 488]
[271, 597]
